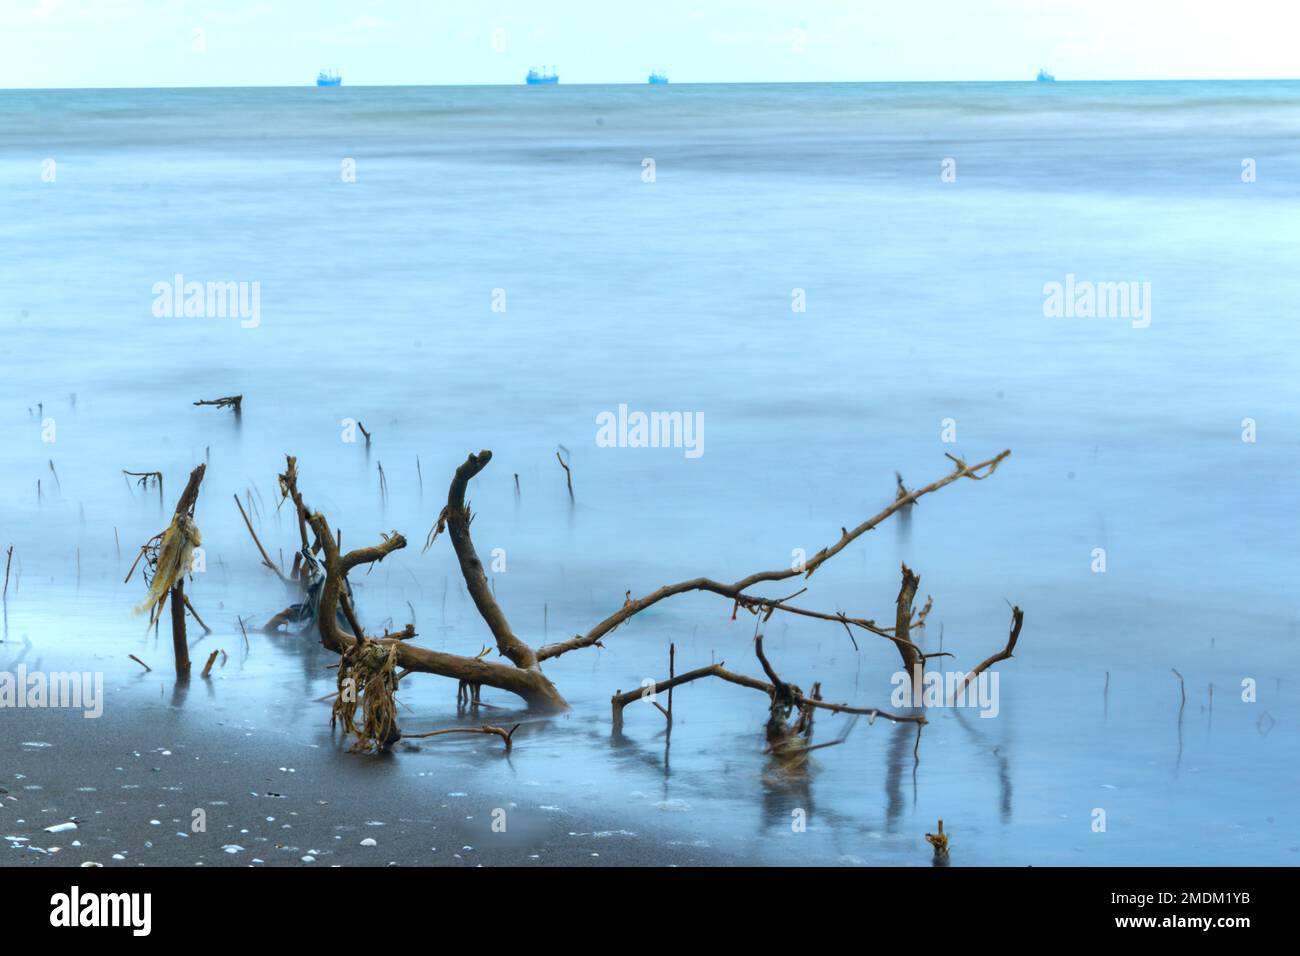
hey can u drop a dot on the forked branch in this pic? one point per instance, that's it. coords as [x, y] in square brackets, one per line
[526, 682]
[976, 472]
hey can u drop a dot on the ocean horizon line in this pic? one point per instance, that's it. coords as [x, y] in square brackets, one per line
[418, 86]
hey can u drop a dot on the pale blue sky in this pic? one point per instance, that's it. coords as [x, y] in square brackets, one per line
[75, 43]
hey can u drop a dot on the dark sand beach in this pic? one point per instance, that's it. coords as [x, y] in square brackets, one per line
[275, 793]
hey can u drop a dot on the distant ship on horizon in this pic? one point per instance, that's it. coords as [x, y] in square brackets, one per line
[658, 76]
[542, 77]
[1045, 77]
[331, 78]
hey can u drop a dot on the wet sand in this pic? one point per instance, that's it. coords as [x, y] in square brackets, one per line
[133, 779]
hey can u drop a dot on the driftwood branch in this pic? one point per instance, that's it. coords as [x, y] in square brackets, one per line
[912, 658]
[523, 677]
[230, 401]
[289, 491]
[184, 506]
[190, 607]
[207, 668]
[733, 590]
[526, 682]
[925, 612]
[568, 474]
[1017, 619]
[939, 841]
[457, 521]
[771, 605]
[620, 699]
[287, 616]
[143, 478]
[506, 735]
[266, 558]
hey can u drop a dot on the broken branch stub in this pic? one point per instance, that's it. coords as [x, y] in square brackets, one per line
[911, 654]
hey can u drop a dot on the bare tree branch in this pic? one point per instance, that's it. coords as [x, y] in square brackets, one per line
[506, 735]
[734, 590]
[1017, 619]
[621, 699]
[526, 682]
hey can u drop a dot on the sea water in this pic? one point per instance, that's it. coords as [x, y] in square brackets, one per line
[841, 281]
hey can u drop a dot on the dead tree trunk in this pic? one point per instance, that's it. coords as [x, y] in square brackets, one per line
[180, 647]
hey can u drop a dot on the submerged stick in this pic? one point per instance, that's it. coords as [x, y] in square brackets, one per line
[185, 506]
[190, 607]
[506, 735]
[568, 474]
[230, 401]
[939, 841]
[672, 672]
[733, 590]
[207, 668]
[621, 699]
[266, 558]
[144, 477]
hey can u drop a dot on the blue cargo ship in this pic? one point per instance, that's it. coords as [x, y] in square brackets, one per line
[1045, 77]
[658, 77]
[328, 79]
[542, 77]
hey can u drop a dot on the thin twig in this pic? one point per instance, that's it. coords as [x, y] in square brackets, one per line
[568, 475]
[266, 558]
[190, 607]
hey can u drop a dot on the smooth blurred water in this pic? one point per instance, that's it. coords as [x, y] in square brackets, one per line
[924, 303]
